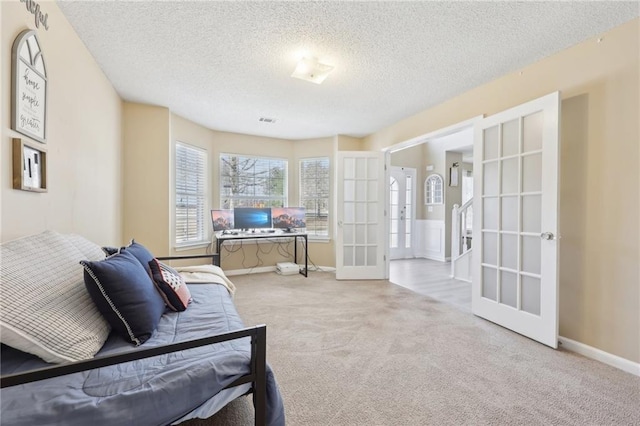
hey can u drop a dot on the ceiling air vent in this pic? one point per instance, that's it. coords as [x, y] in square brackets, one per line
[267, 120]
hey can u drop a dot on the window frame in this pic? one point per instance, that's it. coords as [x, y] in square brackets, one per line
[202, 192]
[301, 198]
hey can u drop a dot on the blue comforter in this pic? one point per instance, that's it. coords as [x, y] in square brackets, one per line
[153, 391]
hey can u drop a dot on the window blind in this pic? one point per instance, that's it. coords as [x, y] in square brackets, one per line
[314, 194]
[190, 193]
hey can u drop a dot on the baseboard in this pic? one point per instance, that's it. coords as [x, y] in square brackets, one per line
[600, 355]
[431, 257]
[263, 269]
[257, 270]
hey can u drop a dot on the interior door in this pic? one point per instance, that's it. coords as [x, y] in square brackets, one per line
[401, 211]
[360, 239]
[515, 274]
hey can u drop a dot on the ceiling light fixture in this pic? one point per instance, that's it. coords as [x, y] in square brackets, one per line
[309, 69]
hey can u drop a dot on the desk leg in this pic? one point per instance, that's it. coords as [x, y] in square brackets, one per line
[306, 256]
[305, 271]
[218, 246]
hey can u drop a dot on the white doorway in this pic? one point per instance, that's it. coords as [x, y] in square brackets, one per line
[402, 212]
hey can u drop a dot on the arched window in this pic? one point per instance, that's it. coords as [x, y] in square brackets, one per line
[433, 191]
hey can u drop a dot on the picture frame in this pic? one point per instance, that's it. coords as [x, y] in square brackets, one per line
[29, 166]
[29, 87]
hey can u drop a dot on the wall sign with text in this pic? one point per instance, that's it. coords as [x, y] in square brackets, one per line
[29, 91]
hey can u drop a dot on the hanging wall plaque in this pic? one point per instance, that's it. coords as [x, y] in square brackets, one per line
[29, 91]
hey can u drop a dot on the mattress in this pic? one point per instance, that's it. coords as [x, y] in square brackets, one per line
[154, 391]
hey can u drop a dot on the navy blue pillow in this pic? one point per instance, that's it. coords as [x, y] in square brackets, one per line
[125, 295]
[110, 251]
[141, 253]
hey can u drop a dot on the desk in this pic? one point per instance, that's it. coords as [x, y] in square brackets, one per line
[222, 238]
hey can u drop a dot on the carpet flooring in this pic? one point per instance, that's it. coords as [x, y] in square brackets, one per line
[374, 353]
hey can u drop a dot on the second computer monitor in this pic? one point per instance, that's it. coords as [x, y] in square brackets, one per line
[251, 218]
[289, 218]
[222, 220]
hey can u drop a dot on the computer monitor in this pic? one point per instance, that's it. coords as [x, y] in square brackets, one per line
[251, 218]
[289, 218]
[222, 220]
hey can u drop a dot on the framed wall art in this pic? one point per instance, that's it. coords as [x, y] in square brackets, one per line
[29, 166]
[29, 87]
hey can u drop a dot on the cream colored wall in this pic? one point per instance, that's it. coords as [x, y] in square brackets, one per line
[599, 193]
[150, 134]
[146, 136]
[84, 148]
[349, 143]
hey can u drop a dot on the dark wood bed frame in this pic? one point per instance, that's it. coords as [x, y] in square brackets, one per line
[257, 376]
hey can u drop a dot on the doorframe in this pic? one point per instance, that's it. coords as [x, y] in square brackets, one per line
[418, 140]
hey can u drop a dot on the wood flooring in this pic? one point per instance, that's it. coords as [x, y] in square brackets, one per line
[431, 278]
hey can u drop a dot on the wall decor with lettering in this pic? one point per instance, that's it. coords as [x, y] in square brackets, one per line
[29, 87]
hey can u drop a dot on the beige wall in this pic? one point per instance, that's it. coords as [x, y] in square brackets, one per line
[146, 136]
[349, 143]
[599, 251]
[150, 134]
[84, 148]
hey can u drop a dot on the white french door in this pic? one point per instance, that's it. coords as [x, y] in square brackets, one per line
[360, 238]
[515, 274]
[401, 211]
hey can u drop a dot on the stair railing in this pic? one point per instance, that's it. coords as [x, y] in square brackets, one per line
[461, 225]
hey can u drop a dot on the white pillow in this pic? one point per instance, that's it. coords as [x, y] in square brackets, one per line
[45, 308]
[89, 249]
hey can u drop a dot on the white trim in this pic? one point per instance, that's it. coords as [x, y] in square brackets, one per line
[445, 131]
[263, 269]
[247, 271]
[600, 355]
[319, 239]
[191, 246]
[430, 239]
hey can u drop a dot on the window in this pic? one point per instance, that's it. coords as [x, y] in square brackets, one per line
[314, 194]
[433, 190]
[191, 197]
[252, 181]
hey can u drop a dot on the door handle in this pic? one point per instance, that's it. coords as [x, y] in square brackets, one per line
[340, 223]
[547, 236]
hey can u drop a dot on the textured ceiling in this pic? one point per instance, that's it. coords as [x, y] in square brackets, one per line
[226, 64]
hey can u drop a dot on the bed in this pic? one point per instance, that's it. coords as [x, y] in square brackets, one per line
[194, 364]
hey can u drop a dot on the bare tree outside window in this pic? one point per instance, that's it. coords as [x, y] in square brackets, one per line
[247, 181]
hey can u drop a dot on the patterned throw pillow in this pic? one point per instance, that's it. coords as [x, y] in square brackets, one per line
[171, 285]
[125, 295]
